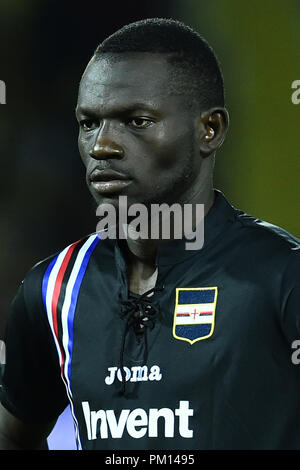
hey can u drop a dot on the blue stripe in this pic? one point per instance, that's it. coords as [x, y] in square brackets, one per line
[46, 279]
[204, 296]
[74, 298]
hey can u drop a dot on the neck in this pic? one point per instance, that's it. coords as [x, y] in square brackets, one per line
[144, 251]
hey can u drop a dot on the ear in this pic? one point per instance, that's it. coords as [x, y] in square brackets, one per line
[213, 127]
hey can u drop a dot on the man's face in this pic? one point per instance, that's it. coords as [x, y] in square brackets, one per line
[131, 125]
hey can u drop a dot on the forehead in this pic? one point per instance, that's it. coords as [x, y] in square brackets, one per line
[122, 79]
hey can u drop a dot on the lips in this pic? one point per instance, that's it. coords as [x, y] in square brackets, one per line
[108, 181]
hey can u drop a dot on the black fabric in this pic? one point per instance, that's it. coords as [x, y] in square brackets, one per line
[31, 374]
[140, 314]
[237, 388]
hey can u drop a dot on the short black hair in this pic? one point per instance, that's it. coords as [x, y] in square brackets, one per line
[196, 70]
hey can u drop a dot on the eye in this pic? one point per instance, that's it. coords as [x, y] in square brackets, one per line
[88, 125]
[140, 122]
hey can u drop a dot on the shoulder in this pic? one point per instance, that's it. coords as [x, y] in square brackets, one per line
[261, 230]
[265, 237]
[251, 232]
[49, 272]
[269, 247]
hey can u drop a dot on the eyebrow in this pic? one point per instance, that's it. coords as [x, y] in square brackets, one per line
[120, 110]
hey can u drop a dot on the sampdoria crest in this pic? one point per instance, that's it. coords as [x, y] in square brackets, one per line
[194, 315]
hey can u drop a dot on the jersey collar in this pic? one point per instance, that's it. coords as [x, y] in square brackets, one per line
[217, 220]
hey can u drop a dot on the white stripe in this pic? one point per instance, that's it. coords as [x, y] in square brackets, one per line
[190, 308]
[67, 301]
[64, 319]
[49, 295]
[198, 320]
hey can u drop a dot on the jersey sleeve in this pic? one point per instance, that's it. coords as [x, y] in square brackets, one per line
[32, 388]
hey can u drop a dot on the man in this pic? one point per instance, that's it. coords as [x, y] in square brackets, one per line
[153, 345]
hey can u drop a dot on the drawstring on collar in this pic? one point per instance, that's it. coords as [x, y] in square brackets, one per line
[140, 313]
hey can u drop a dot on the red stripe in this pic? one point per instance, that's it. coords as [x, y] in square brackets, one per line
[192, 313]
[57, 289]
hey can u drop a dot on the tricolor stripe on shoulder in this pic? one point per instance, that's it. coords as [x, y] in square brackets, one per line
[60, 290]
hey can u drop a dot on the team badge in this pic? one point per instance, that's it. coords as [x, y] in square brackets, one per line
[194, 315]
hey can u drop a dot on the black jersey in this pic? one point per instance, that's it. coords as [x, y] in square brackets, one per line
[207, 363]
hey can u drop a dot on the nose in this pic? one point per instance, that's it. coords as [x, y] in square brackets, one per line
[105, 146]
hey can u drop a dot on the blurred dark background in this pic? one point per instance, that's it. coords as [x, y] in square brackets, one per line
[44, 48]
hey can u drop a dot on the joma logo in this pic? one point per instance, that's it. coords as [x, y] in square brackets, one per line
[134, 374]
